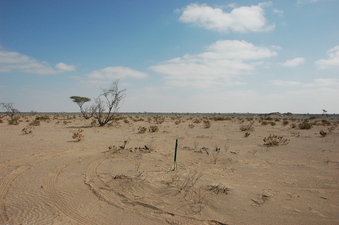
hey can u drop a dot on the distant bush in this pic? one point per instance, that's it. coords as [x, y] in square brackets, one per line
[323, 133]
[14, 120]
[247, 127]
[305, 125]
[274, 140]
[27, 130]
[153, 129]
[196, 121]
[35, 123]
[142, 130]
[207, 124]
[285, 122]
[325, 123]
[78, 136]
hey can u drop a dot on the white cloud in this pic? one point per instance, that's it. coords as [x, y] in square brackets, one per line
[284, 83]
[279, 12]
[306, 1]
[332, 61]
[116, 73]
[324, 82]
[222, 63]
[293, 62]
[14, 61]
[64, 67]
[242, 19]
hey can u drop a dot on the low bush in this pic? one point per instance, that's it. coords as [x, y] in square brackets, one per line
[274, 140]
[323, 133]
[305, 125]
[207, 124]
[153, 129]
[14, 120]
[285, 122]
[78, 136]
[247, 127]
[142, 130]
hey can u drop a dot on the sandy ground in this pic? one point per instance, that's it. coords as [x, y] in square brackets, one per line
[116, 175]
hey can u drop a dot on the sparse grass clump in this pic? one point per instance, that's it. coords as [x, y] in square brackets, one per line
[274, 140]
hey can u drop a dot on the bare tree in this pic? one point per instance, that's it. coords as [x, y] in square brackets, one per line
[86, 112]
[108, 103]
[9, 109]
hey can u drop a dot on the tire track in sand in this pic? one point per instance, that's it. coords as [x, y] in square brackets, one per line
[6, 181]
[117, 199]
[56, 199]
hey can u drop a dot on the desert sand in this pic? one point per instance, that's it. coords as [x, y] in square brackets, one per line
[118, 175]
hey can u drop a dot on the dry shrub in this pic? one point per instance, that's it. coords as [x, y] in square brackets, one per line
[191, 125]
[27, 130]
[285, 122]
[247, 134]
[247, 127]
[323, 133]
[14, 120]
[153, 129]
[305, 125]
[142, 130]
[207, 124]
[78, 136]
[274, 140]
[196, 121]
[218, 189]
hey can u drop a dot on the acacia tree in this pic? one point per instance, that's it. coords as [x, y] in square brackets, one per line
[87, 112]
[108, 103]
[9, 109]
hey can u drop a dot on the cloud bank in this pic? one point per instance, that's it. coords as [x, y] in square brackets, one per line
[242, 19]
[332, 61]
[293, 62]
[221, 63]
[14, 61]
[116, 73]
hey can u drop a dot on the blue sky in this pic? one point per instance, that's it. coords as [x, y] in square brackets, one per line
[172, 55]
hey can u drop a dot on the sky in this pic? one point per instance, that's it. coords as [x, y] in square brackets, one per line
[215, 56]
